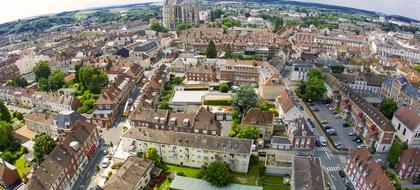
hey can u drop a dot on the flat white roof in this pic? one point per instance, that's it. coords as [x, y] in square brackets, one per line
[188, 96]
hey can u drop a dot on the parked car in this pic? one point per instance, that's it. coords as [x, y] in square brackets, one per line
[105, 162]
[324, 122]
[338, 116]
[346, 125]
[352, 133]
[342, 173]
[323, 141]
[327, 127]
[416, 182]
[311, 104]
[345, 181]
[302, 153]
[315, 109]
[331, 132]
[361, 146]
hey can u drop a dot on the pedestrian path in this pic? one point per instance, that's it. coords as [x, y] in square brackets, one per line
[332, 168]
[321, 149]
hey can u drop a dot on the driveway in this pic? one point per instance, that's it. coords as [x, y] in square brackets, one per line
[342, 132]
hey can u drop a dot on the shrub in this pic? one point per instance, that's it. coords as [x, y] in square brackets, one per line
[218, 102]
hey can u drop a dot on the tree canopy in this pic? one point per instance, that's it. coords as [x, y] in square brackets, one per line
[211, 50]
[313, 88]
[152, 154]
[6, 135]
[387, 107]
[56, 80]
[247, 132]
[224, 87]
[244, 98]
[4, 113]
[42, 70]
[395, 152]
[156, 26]
[18, 81]
[217, 173]
[183, 26]
[43, 145]
[92, 79]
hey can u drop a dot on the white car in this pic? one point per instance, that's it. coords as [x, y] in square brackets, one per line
[105, 162]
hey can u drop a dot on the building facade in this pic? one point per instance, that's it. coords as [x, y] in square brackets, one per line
[180, 12]
[409, 165]
[188, 149]
[407, 124]
[201, 72]
[402, 91]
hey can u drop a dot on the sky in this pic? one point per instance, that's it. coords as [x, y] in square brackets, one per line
[11, 10]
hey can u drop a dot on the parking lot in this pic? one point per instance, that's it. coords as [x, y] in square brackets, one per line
[342, 133]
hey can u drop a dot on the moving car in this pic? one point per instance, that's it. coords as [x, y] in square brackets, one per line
[302, 153]
[323, 141]
[342, 173]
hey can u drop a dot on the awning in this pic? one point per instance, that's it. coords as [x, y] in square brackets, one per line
[91, 150]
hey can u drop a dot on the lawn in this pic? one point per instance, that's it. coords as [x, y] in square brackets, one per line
[273, 179]
[22, 166]
[272, 187]
[249, 178]
[188, 172]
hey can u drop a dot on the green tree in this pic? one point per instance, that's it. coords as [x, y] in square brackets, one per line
[18, 115]
[315, 89]
[244, 98]
[42, 70]
[228, 51]
[43, 84]
[417, 68]
[315, 73]
[92, 79]
[56, 80]
[43, 145]
[216, 14]
[224, 87]
[6, 135]
[248, 133]
[4, 113]
[19, 81]
[217, 173]
[337, 68]
[183, 26]
[152, 154]
[211, 50]
[395, 152]
[278, 23]
[156, 26]
[387, 107]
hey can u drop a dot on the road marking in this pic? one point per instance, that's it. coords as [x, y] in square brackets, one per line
[332, 168]
[328, 155]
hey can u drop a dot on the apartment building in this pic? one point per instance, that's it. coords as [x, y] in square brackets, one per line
[409, 164]
[30, 98]
[40, 123]
[407, 124]
[300, 71]
[201, 72]
[135, 173]
[111, 102]
[180, 12]
[365, 172]
[331, 44]
[260, 119]
[197, 39]
[8, 72]
[202, 122]
[288, 106]
[387, 46]
[254, 73]
[368, 121]
[153, 89]
[402, 91]
[63, 166]
[187, 149]
[364, 83]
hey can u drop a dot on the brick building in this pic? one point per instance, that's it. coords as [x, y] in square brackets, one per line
[409, 164]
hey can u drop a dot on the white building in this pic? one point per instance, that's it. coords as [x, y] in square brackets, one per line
[288, 107]
[407, 124]
[300, 71]
[189, 149]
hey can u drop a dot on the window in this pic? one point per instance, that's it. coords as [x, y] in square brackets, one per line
[405, 130]
[399, 126]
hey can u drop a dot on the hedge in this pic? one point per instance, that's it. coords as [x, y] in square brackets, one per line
[218, 102]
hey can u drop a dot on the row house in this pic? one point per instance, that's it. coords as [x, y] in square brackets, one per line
[254, 73]
[197, 39]
[188, 149]
[288, 106]
[300, 135]
[111, 102]
[386, 47]
[62, 167]
[407, 124]
[368, 121]
[260, 119]
[30, 98]
[403, 92]
[153, 89]
[300, 71]
[201, 72]
[307, 174]
[409, 164]
[333, 46]
[365, 172]
[363, 83]
[146, 53]
[202, 122]
[55, 125]
[135, 173]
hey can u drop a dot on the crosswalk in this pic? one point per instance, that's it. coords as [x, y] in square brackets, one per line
[332, 168]
[321, 149]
